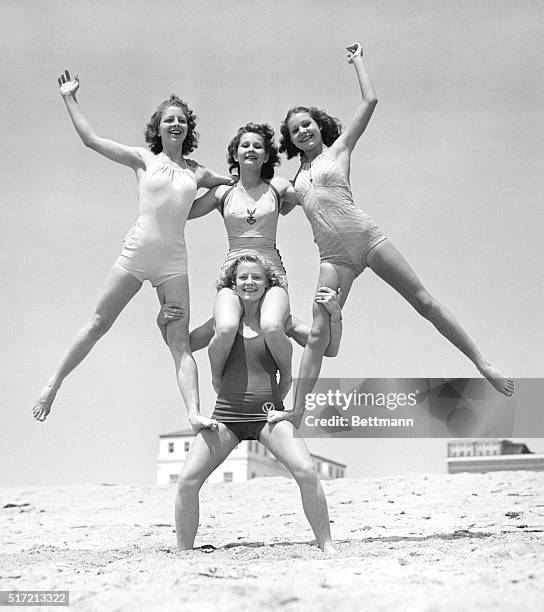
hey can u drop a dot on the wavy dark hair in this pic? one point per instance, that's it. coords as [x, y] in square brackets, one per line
[330, 128]
[267, 133]
[152, 135]
[227, 276]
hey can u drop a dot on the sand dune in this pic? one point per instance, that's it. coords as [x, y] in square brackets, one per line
[414, 542]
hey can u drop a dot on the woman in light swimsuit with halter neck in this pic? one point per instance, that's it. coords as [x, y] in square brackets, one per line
[154, 249]
[250, 211]
[348, 239]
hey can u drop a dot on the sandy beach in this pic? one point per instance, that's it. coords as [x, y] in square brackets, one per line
[414, 542]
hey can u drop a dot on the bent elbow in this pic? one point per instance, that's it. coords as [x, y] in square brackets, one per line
[372, 102]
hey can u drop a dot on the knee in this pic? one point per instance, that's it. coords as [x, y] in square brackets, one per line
[306, 475]
[424, 303]
[272, 331]
[98, 326]
[188, 483]
[318, 337]
[226, 331]
[178, 339]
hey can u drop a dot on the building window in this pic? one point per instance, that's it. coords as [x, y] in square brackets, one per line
[227, 476]
[330, 470]
[318, 467]
[170, 447]
[253, 475]
[173, 478]
[186, 446]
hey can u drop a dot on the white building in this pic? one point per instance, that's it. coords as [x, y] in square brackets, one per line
[491, 455]
[248, 460]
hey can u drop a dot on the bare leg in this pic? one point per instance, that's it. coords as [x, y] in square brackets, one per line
[333, 276]
[274, 311]
[119, 289]
[177, 336]
[389, 264]
[209, 449]
[288, 446]
[227, 312]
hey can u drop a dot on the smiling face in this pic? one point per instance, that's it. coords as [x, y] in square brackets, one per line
[251, 152]
[304, 132]
[251, 281]
[173, 127]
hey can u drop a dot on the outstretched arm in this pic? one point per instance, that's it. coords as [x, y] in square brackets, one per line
[128, 156]
[208, 179]
[348, 139]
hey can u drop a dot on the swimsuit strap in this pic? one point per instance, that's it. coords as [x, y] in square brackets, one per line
[296, 175]
[223, 200]
[275, 192]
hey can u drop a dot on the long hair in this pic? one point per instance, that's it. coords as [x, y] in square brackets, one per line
[330, 128]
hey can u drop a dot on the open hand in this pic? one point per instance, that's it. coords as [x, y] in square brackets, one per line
[354, 50]
[170, 311]
[330, 300]
[68, 86]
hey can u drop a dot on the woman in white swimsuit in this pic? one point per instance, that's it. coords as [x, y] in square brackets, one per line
[154, 249]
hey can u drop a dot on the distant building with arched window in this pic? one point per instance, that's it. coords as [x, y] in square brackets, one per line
[248, 460]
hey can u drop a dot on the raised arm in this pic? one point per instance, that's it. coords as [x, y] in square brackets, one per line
[128, 156]
[348, 139]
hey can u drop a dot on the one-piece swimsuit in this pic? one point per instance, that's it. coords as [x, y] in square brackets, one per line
[154, 248]
[253, 227]
[249, 388]
[343, 232]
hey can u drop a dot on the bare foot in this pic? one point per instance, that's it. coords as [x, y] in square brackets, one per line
[328, 548]
[501, 383]
[43, 406]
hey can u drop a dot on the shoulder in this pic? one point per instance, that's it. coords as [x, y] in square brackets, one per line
[280, 184]
[192, 164]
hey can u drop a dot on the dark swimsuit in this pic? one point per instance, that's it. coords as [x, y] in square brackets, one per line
[249, 388]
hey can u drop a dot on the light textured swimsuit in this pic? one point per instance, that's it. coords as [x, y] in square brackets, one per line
[249, 388]
[342, 231]
[154, 248]
[252, 226]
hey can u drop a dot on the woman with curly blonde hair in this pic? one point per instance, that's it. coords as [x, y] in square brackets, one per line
[248, 393]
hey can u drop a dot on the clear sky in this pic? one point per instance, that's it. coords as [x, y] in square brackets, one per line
[450, 167]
